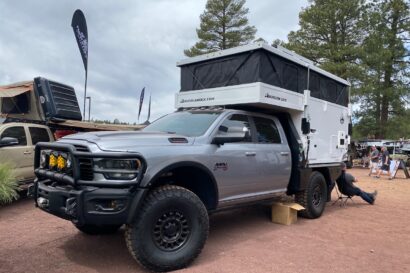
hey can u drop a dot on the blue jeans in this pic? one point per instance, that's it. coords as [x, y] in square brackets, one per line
[366, 196]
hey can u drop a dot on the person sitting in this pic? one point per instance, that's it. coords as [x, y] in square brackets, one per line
[345, 184]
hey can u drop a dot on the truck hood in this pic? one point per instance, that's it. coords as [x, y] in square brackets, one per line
[129, 140]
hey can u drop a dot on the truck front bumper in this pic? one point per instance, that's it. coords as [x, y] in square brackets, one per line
[84, 205]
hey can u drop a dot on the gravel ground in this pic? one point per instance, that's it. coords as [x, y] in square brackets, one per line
[357, 238]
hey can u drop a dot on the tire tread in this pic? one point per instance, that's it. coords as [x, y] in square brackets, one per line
[159, 194]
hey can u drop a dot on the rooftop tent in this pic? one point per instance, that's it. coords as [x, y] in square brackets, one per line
[15, 89]
[40, 99]
[15, 98]
[262, 63]
[58, 101]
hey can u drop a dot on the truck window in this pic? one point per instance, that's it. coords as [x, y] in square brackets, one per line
[237, 121]
[186, 123]
[266, 130]
[38, 135]
[16, 132]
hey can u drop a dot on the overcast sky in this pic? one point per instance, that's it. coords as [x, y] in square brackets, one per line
[132, 44]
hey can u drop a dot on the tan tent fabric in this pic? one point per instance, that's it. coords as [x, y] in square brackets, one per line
[12, 90]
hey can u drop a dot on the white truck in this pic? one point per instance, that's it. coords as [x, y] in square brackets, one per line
[253, 123]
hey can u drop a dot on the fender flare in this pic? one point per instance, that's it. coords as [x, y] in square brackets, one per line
[141, 192]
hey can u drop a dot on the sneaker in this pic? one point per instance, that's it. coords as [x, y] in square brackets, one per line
[374, 195]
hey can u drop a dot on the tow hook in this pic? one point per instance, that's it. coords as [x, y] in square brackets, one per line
[42, 202]
[71, 206]
[30, 190]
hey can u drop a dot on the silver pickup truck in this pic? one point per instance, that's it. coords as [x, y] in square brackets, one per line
[163, 181]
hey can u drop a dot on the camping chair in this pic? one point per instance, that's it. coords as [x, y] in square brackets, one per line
[342, 198]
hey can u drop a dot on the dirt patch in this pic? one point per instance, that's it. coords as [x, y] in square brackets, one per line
[356, 238]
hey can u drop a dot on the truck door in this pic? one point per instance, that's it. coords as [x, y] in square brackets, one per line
[234, 164]
[20, 156]
[274, 161]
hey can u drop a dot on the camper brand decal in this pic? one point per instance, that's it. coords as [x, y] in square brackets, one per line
[269, 96]
[196, 100]
[221, 166]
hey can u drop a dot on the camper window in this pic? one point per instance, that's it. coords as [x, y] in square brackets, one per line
[16, 105]
[314, 85]
[290, 77]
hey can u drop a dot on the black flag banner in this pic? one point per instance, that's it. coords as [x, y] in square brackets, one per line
[141, 102]
[79, 26]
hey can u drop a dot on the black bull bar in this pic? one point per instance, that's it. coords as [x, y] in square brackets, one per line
[74, 179]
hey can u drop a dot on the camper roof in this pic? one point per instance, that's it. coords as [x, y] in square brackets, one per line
[278, 50]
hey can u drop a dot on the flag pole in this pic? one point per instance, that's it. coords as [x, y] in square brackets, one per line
[85, 94]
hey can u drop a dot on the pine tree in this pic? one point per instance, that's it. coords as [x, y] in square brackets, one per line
[366, 42]
[223, 25]
[330, 34]
[385, 90]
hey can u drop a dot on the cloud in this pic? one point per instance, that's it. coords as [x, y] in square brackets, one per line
[132, 44]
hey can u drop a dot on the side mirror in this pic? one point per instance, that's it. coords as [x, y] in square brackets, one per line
[350, 129]
[305, 126]
[8, 141]
[231, 134]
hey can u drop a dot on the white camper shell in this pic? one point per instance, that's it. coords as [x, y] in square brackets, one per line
[274, 80]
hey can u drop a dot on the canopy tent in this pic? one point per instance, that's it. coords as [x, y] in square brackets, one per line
[12, 90]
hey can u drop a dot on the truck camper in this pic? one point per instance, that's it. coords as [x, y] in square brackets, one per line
[252, 123]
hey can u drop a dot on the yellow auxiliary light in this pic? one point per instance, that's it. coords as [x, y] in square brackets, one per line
[60, 162]
[52, 161]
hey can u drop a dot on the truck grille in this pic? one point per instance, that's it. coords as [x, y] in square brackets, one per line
[86, 164]
[86, 169]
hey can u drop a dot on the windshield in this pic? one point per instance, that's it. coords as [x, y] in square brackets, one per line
[184, 123]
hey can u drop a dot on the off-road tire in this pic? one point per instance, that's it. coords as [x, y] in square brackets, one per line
[314, 197]
[170, 229]
[97, 230]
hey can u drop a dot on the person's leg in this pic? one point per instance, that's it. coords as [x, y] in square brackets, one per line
[368, 197]
[373, 167]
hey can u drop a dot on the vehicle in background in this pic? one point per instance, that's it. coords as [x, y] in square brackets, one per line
[40, 110]
[17, 142]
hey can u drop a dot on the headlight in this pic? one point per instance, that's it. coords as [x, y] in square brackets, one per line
[118, 169]
[43, 159]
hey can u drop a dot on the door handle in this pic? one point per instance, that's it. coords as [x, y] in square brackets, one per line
[250, 153]
[27, 153]
[284, 153]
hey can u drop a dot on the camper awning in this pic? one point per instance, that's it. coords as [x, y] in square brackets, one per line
[8, 91]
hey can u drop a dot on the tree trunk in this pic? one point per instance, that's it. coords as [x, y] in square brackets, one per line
[388, 73]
